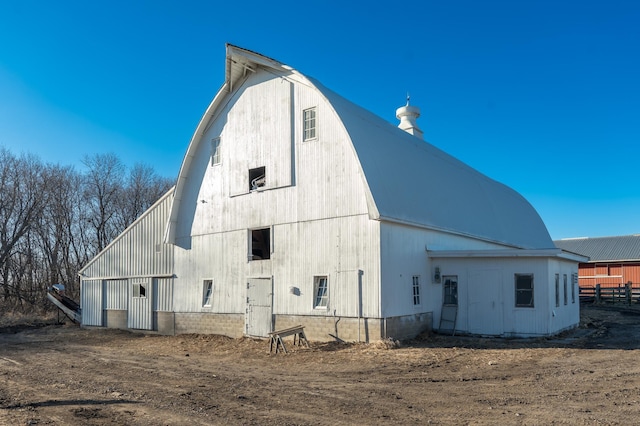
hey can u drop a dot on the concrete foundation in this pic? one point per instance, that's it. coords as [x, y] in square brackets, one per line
[115, 318]
[165, 323]
[317, 328]
[231, 325]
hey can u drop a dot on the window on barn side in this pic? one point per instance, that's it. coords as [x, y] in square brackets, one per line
[564, 280]
[309, 124]
[257, 178]
[524, 290]
[574, 280]
[207, 293]
[416, 290]
[260, 244]
[215, 151]
[557, 290]
[321, 292]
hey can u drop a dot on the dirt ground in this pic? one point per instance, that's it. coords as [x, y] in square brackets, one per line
[66, 375]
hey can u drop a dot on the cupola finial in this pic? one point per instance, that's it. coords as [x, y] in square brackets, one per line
[408, 115]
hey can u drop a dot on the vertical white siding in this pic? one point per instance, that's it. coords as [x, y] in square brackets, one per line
[139, 250]
[117, 294]
[316, 208]
[163, 294]
[404, 253]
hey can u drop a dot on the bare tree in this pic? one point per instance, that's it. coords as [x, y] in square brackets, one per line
[22, 200]
[102, 190]
[143, 188]
[53, 220]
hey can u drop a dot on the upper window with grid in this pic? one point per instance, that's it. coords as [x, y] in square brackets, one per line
[310, 124]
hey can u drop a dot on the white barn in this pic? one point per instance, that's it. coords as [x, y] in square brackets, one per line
[295, 206]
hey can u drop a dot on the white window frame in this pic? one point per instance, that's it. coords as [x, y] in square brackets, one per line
[321, 301]
[564, 279]
[310, 124]
[207, 293]
[215, 151]
[415, 287]
[557, 290]
[574, 280]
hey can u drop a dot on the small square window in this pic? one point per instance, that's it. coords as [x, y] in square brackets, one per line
[207, 292]
[257, 178]
[309, 118]
[260, 248]
[416, 290]
[524, 290]
[215, 151]
[321, 292]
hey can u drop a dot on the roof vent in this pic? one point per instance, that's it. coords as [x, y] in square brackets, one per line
[408, 115]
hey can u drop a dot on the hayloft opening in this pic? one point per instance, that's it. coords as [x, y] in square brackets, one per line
[257, 178]
[260, 244]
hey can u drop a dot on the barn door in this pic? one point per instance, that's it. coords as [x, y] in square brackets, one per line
[485, 308]
[140, 306]
[259, 312]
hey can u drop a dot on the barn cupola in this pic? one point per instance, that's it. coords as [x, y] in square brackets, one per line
[408, 115]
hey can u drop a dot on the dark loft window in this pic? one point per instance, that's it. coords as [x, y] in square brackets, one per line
[260, 244]
[524, 290]
[256, 178]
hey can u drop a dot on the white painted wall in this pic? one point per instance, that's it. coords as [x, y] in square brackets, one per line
[404, 254]
[486, 296]
[314, 202]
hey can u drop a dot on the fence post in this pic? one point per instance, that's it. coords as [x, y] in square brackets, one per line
[598, 300]
[627, 290]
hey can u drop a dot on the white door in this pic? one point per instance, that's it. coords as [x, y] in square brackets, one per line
[140, 306]
[485, 306]
[91, 296]
[259, 313]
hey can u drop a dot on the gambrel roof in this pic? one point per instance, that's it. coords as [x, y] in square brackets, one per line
[601, 249]
[407, 180]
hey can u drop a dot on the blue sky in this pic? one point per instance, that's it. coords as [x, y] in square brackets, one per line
[543, 96]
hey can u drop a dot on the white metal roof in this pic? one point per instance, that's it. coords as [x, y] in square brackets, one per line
[412, 181]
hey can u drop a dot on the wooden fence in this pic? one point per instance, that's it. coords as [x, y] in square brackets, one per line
[624, 293]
